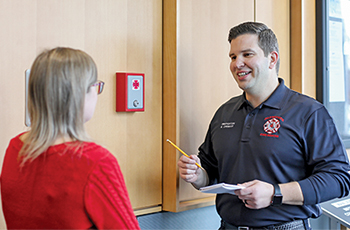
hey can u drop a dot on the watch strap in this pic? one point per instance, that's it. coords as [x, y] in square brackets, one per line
[277, 197]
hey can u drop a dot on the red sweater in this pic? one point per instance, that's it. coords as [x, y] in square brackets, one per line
[65, 190]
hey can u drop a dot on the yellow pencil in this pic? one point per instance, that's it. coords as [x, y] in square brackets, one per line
[182, 152]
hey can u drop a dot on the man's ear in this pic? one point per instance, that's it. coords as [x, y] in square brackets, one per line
[273, 59]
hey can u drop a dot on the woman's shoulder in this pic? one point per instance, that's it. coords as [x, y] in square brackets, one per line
[98, 159]
[18, 139]
[95, 151]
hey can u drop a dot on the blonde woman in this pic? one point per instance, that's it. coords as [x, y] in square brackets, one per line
[54, 176]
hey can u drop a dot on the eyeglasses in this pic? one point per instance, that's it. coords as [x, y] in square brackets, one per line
[99, 87]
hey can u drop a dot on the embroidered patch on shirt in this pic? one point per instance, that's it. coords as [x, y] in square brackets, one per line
[227, 125]
[271, 126]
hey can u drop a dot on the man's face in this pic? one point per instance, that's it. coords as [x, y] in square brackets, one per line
[249, 66]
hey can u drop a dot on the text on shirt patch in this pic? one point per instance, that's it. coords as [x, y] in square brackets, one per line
[271, 126]
[227, 125]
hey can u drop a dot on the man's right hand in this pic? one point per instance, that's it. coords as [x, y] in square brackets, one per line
[191, 173]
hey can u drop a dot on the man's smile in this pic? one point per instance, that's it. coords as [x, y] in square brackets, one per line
[242, 74]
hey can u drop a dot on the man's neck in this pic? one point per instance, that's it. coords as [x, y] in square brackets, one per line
[256, 98]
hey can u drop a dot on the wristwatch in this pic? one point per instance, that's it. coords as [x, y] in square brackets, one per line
[277, 197]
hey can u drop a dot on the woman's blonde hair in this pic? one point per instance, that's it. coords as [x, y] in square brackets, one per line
[58, 81]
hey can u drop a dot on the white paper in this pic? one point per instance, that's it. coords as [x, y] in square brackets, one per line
[221, 188]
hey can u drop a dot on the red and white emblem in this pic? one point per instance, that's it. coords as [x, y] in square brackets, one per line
[271, 126]
[135, 84]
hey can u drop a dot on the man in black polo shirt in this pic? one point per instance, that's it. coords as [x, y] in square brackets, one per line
[280, 145]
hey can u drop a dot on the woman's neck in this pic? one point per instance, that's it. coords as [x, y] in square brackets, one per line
[59, 140]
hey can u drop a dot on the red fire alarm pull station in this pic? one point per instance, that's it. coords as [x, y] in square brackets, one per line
[130, 92]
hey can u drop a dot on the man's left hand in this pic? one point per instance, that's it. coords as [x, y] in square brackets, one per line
[256, 194]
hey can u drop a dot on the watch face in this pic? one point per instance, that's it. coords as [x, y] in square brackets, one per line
[277, 199]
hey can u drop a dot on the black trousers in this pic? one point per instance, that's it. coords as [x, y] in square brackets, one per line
[294, 225]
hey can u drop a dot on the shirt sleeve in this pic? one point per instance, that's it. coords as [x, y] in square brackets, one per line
[208, 159]
[106, 197]
[326, 160]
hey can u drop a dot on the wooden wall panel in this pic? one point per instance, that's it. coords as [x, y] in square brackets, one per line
[59, 23]
[132, 40]
[276, 15]
[120, 36]
[303, 46]
[202, 83]
[170, 175]
[16, 23]
[204, 79]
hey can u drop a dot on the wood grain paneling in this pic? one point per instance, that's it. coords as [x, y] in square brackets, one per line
[121, 36]
[296, 45]
[170, 178]
[199, 74]
[303, 46]
[203, 80]
[276, 15]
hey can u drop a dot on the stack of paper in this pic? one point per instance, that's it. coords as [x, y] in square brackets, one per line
[221, 188]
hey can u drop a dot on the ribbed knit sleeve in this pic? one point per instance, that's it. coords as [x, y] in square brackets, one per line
[106, 198]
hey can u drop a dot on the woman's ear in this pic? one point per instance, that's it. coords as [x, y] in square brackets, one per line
[273, 59]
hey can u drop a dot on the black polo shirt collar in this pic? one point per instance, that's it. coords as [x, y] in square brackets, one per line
[274, 101]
